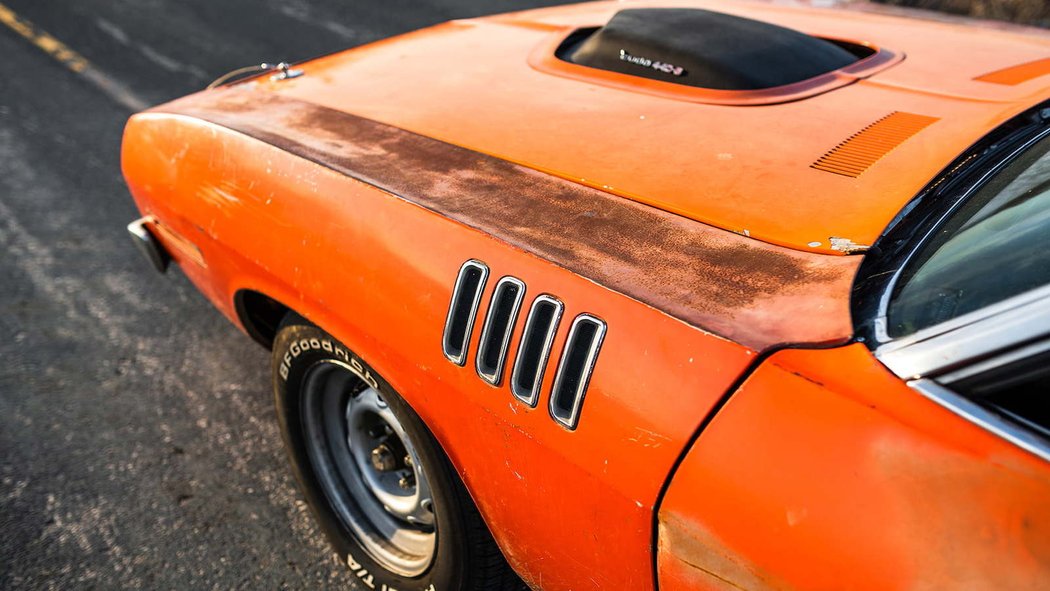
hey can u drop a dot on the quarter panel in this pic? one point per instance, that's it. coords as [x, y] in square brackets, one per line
[824, 471]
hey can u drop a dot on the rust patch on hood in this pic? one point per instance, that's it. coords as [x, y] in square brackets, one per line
[754, 293]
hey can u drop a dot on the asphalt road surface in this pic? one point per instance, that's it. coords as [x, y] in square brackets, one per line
[138, 446]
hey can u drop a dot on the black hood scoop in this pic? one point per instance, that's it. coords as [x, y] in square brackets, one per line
[706, 49]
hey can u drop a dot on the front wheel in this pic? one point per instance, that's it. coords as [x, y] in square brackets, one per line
[383, 491]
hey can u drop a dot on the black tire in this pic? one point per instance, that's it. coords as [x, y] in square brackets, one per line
[464, 556]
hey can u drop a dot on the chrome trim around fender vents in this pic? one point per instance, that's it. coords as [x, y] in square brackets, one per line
[575, 368]
[530, 363]
[499, 325]
[463, 309]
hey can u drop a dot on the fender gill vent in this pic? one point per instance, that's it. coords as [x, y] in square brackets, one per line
[866, 147]
[534, 349]
[574, 369]
[499, 324]
[463, 309]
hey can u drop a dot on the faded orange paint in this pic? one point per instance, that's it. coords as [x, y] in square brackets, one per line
[376, 271]
[1018, 74]
[469, 83]
[698, 232]
[825, 471]
[756, 294]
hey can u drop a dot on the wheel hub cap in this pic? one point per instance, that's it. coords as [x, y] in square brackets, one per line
[368, 468]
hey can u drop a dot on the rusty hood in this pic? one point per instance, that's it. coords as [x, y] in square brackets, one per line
[780, 171]
[757, 294]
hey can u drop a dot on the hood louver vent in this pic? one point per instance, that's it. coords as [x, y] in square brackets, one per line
[866, 147]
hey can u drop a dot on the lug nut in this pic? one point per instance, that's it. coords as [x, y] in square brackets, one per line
[382, 458]
[407, 480]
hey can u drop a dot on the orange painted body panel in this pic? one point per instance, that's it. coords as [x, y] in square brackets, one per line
[739, 168]
[377, 272]
[1018, 74]
[755, 294]
[700, 233]
[825, 471]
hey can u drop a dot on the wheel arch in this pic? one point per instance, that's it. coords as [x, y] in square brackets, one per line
[259, 314]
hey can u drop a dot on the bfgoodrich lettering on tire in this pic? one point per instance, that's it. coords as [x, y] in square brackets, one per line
[383, 491]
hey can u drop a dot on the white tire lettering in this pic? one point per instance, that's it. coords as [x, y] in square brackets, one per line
[303, 345]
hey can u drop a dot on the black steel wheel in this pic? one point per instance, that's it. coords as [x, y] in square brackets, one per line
[381, 487]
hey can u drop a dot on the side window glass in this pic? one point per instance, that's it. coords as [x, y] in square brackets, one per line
[993, 248]
[1018, 390]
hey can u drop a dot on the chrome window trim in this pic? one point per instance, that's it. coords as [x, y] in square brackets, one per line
[532, 396]
[879, 324]
[571, 421]
[980, 367]
[461, 359]
[494, 378]
[983, 418]
[981, 333]
[930, 360]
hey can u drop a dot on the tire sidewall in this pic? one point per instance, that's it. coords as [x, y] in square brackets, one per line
[298, 348]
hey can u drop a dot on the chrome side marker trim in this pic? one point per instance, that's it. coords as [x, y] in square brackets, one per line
[578, 356]
[535, 348]
[575, 368]
[498, 328]
[463, 309]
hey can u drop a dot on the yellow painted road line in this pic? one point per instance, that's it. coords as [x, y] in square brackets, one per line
[53, 47]
[72, 60]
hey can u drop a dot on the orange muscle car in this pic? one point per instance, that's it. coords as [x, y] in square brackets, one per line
[676, 295]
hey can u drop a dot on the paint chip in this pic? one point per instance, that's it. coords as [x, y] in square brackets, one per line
[847, 246]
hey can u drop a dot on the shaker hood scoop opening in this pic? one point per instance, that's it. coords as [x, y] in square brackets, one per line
[704, 56]
[706, 49]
